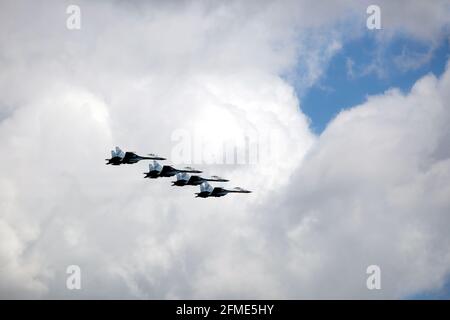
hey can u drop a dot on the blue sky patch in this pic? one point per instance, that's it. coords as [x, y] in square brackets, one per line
[365, 67]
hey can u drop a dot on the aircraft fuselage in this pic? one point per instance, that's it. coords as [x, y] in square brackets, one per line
[216, 192]
[166, 171]
[115, 161]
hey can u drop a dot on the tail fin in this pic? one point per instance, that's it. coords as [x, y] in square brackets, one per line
[183, 176]
[154, 166]
[119, 152]
[206, 187]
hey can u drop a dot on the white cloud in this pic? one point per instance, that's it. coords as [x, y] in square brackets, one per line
[374, 190]
[136, 72]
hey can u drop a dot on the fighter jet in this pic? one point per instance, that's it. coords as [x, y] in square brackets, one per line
[119, 157]
[206, 190]
[155, 170]
[184, 179]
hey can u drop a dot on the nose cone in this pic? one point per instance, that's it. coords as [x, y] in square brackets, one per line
[155, 157]
[238, 189]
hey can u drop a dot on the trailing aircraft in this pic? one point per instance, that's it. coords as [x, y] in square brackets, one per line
[206, 190]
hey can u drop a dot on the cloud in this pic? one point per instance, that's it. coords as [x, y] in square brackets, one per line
[131, 80]
[373, 191]
[412, 60]
[416, 18]
[136, 73]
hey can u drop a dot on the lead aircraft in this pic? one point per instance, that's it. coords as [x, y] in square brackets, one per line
[119, 157]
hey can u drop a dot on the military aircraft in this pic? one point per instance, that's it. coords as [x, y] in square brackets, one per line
[156, 171]
[206, 190]
[119, 157]
[184, 179]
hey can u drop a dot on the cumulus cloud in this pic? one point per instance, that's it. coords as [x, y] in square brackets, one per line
[370, 189]
[373, 190]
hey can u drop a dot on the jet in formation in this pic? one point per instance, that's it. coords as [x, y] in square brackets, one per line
[119, 157]
[185, 179]
[206, 190]
[155, 170]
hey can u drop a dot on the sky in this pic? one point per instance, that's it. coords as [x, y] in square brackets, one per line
[340, 131]
[344, 84]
